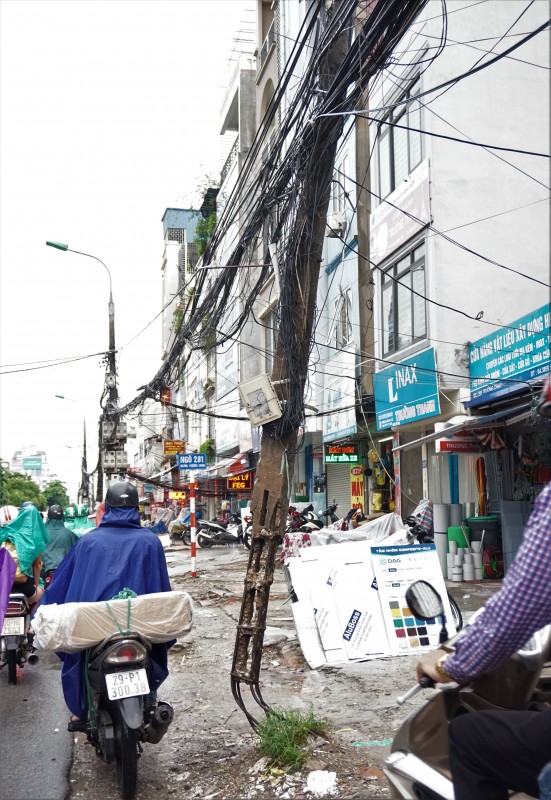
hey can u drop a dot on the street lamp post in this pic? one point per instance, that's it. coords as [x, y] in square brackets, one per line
[110, 376]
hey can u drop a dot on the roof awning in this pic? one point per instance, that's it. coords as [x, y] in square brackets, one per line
[507, 417]
[228, 463]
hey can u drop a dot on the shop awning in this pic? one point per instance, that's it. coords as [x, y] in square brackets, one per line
[228, 463]
[506, 417]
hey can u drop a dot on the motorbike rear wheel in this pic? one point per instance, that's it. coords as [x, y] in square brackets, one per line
[12, 667]
[186, 537]
[203, 541]
[247, 539]
[126, 756]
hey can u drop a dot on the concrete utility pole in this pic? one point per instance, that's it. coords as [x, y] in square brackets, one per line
[270, 498]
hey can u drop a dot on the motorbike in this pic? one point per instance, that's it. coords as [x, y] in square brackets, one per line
[215, 531]
[121, 716]
[16, 648]
[418, 766]
[304, 520]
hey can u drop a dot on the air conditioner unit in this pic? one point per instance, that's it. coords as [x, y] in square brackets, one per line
[260, 400]
[336, 225]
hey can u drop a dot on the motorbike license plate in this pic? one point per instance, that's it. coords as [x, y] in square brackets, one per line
[127, 684]
[13, 626]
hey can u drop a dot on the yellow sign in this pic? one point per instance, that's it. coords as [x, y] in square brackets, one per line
[176, 495]
[239, 483]
[172, 448]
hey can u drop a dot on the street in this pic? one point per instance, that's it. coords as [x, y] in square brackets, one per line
[210, 749]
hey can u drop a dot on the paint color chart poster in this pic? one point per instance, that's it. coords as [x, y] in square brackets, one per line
[396, 567]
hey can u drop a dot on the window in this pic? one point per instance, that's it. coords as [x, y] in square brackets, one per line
[341, 187]
[343, 319]
[270, 341]
[399, 149]
[404, 314]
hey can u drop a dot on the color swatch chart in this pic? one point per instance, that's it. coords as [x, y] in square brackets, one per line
[396, 567]
[411, 632]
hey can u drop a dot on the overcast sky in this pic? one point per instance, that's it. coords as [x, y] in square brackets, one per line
[109, 114]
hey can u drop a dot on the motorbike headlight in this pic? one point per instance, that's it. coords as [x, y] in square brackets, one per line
[126, 652]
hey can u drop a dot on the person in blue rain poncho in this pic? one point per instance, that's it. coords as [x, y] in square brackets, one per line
[118, 554]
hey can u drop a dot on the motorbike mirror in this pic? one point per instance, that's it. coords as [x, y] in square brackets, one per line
[424, 600]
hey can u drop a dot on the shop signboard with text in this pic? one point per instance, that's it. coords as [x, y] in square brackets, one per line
[172, 446]
[509, 358]
[33, 463]
[407, 391]
[357, 487]
[240, 483]
[341, 454]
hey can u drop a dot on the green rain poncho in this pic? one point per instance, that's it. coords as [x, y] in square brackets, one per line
[29, 535]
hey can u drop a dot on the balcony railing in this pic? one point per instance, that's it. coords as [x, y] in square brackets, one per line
[266, 46]
[232, 155]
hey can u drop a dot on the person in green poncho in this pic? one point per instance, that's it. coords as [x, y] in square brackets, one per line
[62, 539]
[25, 538]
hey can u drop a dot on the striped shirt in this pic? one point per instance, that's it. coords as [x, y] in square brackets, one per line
[521, 607]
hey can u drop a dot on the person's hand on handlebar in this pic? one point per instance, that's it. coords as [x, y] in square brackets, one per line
[427, 665]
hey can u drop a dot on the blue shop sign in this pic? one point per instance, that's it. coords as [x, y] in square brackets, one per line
[407, 392]
[191, 461]
[505, 361]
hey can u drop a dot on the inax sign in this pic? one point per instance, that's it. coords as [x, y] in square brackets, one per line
[407, 391]
[239, 483]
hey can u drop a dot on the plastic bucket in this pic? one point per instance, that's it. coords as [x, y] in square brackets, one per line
[491, 527]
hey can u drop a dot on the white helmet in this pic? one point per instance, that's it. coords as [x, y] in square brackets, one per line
[8, 514]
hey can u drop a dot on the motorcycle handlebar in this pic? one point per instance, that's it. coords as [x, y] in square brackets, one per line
[424, 683]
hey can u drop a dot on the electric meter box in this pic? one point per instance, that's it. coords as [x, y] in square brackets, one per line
[108, 430]
[108, 460]
[121, 459]
[260, 400]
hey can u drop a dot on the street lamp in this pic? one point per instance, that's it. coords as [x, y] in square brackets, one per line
[111, 375]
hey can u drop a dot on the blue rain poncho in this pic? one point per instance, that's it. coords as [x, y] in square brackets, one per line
[117, 555]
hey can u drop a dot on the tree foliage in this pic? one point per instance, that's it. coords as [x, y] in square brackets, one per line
[203, 232]
[56, 493]
[16, 488]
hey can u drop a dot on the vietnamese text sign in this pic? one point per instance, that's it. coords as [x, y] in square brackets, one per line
[341, 454]
[176, 495]
[396, 567]
[408, 391]
[171, 447]
[191, 461]
[505, 360]
[33, 462]
[390, 226]
[238, 483]
[357, 487]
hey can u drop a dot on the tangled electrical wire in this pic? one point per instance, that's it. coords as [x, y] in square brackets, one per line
[280, 196]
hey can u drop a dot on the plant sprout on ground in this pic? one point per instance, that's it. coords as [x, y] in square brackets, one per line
[284, 736]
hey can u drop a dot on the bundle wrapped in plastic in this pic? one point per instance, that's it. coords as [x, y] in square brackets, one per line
[71, 627]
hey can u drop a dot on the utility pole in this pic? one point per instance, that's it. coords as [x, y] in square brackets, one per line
[270, 498]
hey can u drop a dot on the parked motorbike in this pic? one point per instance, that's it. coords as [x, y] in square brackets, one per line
[305, 520]
[418, 765]
[217, 532]
[120, 714]
[16, 647]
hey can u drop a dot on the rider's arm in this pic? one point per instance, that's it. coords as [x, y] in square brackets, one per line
[522, 607]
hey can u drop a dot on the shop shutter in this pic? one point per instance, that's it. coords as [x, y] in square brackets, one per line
[338, 487]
